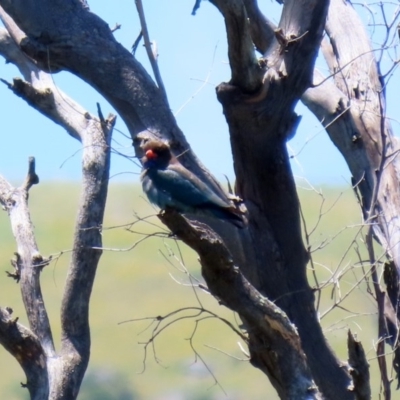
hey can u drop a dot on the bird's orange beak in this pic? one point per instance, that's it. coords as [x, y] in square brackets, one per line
[151, 155]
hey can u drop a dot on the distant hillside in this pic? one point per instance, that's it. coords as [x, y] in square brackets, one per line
[140, 278]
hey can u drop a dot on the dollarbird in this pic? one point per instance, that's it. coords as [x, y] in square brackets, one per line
[167, 183]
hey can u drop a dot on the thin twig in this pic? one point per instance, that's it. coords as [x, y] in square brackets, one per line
[150, 52]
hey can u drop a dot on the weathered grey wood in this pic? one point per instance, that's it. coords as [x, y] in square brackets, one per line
[259, 127]
[354, 114]
[30, 347]
[26, 348]
[273, 339]
[50, 375]
[278, 259]
[246, 72]
[75, 329]
[359, 368]
[258, 105]
[53, 375]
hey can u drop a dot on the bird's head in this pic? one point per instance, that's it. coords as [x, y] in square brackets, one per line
[157, 154]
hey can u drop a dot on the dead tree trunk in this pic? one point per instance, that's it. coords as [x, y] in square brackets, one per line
[353, 108]
[260, 272]
[51, 374]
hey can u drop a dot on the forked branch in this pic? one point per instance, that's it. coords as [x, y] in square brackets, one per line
[264, 321]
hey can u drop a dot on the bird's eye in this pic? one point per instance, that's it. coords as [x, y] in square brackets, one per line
[150, 154]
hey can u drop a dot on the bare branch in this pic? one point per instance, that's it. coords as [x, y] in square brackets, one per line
[246, 73]
[263, 319]
[95, 135]
[28, 351]
[119, 77]
[151, 50]
[382, 327]
[364, 136]
[198, 356]
[39, 91]
[260, 125]
[86, 253]
[31, 178]
[29, 262]
[269, 259]
[359, 368]
[262, 30]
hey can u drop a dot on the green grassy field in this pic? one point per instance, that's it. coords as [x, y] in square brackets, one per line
[135, 282]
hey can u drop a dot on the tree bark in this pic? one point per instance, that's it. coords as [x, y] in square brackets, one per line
[260, 124]
[273, 341]
[354, 114]
[50, 374]
[273, 240]
[362, 132]
[260, 272]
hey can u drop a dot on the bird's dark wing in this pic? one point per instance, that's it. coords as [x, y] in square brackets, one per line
[185, 187]
[161, 198]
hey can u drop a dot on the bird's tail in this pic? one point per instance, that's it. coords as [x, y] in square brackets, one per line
[232, 215]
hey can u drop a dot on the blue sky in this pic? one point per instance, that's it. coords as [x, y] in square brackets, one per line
[193, 60]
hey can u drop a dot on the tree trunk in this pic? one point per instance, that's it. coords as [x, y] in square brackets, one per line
[260, 271]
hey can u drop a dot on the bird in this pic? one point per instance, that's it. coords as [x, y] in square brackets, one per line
[168, 184]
